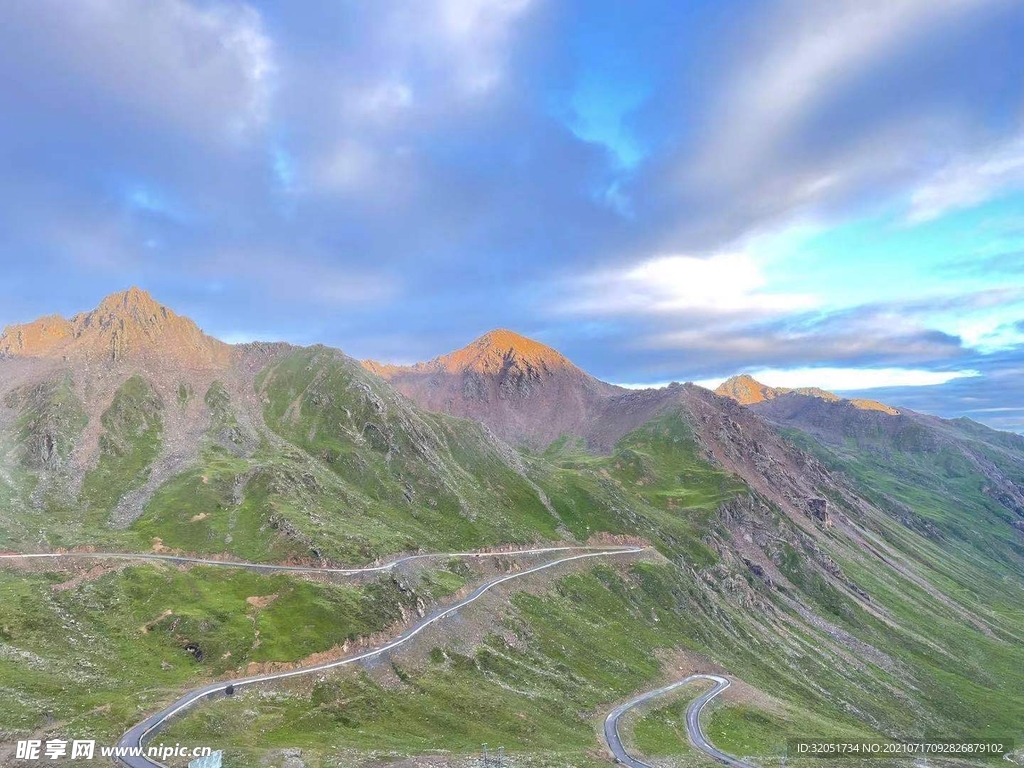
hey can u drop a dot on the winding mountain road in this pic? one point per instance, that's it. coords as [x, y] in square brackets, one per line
[141, 733]
[693, 729]
[184, 560]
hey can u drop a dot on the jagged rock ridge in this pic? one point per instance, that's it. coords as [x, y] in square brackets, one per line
[129, 325]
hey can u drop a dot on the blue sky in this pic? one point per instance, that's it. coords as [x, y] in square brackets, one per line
[820, 193]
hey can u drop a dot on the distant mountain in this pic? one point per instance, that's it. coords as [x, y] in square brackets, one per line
[126, 326]
[525, 391]
[531, 394]
[901, 454]
[515, 358]
[746, 390]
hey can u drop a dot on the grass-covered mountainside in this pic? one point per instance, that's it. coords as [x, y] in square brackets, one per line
[855, 571]
[89, 649]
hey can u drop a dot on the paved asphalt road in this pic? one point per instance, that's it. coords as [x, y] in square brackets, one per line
[693, 730]
[141, 733]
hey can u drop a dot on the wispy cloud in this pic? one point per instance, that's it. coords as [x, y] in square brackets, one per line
[816, 49]
[969, 180]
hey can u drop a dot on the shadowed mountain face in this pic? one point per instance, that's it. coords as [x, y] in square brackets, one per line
[524, 391]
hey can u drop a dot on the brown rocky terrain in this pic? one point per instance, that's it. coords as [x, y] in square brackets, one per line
[527, 393]
[530, 394]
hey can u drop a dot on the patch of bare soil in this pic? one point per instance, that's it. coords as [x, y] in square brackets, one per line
[260, 601]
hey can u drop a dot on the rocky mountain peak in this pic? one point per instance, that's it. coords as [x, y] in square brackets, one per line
[746, 390]
[134, 301]
[129, 325]
[522, 389]
[500, 349]
[129, 312]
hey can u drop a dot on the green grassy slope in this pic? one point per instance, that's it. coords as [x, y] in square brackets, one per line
[942, 514]
[935, 649]
[41, 504]
[131, 440]
[35, 474]
[653, 485]
[351, 472]
[50, 420]
[555, 663]
[88, 657]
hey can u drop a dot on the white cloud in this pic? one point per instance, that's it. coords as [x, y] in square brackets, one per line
[724, 283]
[417, 69]
[476, 33]
[206, 69]
[990, 332]
[463, 44]
[849, 379]
[348, 166]
[970, 180]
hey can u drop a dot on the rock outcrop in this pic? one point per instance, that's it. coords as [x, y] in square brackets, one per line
[818, 509]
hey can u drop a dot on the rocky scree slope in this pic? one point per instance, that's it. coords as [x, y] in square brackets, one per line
[955, 480]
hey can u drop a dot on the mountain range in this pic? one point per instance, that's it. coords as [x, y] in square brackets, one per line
[859, 566]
